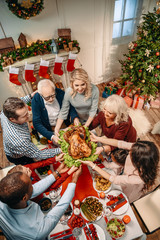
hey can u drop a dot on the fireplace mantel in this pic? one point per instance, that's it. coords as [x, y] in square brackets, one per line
[27, 86]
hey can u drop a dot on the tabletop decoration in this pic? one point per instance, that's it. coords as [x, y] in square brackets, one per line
[76, 144]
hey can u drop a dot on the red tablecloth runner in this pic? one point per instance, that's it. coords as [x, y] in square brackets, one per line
[84, 187]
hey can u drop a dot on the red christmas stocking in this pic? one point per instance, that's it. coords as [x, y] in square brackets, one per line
[44, 69]
[57, 66]
[13, 76]
[29, 77]
[71, 61]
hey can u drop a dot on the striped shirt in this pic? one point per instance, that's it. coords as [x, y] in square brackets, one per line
[17, 140]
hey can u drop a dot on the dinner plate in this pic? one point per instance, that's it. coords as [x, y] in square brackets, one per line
[122, 209]
[100, 233]
[107, 190]
[99, 217]
[59, 227]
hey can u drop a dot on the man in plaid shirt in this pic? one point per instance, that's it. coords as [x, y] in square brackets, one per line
[16, 136]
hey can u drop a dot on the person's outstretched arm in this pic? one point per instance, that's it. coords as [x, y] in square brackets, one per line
[52, 218]
[104, 140]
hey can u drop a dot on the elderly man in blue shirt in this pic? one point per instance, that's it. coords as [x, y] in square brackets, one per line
[46, 106]
[22, 219]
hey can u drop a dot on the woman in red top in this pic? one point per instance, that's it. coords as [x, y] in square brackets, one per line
[115, 122]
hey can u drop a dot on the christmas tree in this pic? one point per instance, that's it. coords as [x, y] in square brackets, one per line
[141, 67]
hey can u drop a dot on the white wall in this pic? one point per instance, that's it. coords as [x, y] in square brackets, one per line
[91, 24]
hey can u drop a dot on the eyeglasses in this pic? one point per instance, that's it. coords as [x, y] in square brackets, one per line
[51, 96]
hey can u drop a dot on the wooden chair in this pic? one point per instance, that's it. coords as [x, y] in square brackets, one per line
[148, 209]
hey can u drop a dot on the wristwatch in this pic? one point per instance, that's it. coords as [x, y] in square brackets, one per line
[58, 174]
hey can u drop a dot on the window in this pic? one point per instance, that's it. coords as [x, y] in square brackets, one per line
[126, 17]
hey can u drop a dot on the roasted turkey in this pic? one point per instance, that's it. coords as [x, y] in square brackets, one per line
[78, 148]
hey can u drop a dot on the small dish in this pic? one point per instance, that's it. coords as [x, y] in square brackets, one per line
[101, 184]
[55, 194]
[45, 204]
[77, 222]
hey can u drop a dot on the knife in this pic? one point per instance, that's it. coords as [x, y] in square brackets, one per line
[61, 234]
[61, 238]
[116, 203]
[90, 232]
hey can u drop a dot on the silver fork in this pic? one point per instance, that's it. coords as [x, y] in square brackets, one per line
[57, 236]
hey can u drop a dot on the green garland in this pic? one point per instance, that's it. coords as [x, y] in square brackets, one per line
[23, 11]
[36, 48]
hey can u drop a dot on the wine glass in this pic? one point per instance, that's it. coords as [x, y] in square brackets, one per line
[77, 232]
[107, 212]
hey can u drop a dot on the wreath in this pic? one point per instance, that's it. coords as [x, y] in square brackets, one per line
[25, 8]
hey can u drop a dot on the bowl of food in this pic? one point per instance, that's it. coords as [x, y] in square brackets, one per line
[77, 222]
[101, 184]
[116, 228]
[45, 204]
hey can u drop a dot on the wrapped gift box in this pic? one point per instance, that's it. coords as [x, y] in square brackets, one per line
[130, 93]
[110, 90]
[128, 100]
[104, 94]
[138, 101]
[121, 92]
[155, 103]
[113, 84]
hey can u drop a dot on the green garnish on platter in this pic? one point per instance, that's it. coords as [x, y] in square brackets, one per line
[68, 160]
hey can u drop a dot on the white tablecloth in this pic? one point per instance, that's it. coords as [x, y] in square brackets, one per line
[133, 229]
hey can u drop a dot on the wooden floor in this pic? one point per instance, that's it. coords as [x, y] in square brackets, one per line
[153, 116]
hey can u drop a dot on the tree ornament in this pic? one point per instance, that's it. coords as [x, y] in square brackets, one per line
[25, 8]
[147, 52]
[130, 77]
[143, 81]
[135, 45]
[156, 75]
[131, 45]
[131, 67]
[158, 81]
[140, 70]
[129, 58]
[157, 53]
[150, 68]
[132, 50]
[158, 66]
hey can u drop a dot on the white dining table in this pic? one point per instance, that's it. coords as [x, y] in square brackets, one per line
[133, 229]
